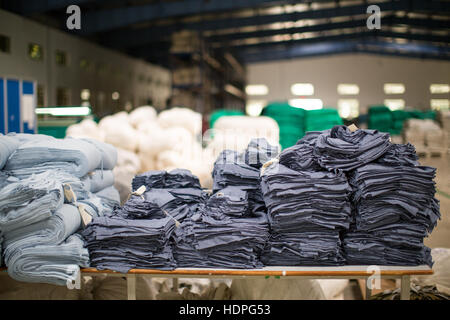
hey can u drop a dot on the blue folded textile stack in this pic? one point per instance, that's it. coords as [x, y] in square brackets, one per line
[212, 240]
[177, 178]
[395, 210]
[307, 210]
[121, 244]
[50, 185]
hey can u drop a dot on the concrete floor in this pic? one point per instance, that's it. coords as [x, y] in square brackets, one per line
[440, 237]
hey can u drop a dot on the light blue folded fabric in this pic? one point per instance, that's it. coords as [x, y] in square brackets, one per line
[53, 264]
[54, 230]
[7, 146]
[30, 200]
[110, 196]
[75, 156]
[108, 152]
[99, 180]
[95, 206]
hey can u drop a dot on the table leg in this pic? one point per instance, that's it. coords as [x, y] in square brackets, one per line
[174, 284]
[405, 288]
[131, 287]
[368, 290]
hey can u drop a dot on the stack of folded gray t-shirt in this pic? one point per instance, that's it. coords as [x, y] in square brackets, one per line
[395, 209]
[307, 210]
[222, 234]
[177, 178]
[121, 244]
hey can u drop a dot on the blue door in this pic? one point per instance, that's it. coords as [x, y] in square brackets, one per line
[2, 107]
[13, 102]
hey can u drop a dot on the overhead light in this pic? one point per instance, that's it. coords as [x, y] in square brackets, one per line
[440, 104]
[85, 94]
[65, 111]
[307, 104]
[302, 89]
[256, 90]
[115, 96]
[348, 108]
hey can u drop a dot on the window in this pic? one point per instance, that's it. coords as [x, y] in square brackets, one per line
[395, 104]
[40, 95]
[255, 107]
[61, 58]
[348, 89]
[256, 90]
[35, 52]
[302, 89]
[394, 88]
[5, 44]
[348, 108]
[439, 88]
[440, 104]
[84, 63]
[307, 104]
[62, 96]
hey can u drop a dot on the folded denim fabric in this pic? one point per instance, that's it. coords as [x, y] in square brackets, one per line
[394, 209]
[53, 264]
[30, 200]
[342, 149]
[6, 179]
[259, 151]
[229, 242]
[301, 156]
[121, 244]
[53, 230]
[7, 146]
[39, 155]
[99, 180]
[177, 178]
[110, 197]
[108, 153]
[231, 201]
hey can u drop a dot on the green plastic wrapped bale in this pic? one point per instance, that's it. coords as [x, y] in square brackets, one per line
[380, 118]
[322, 119]
[223, 112]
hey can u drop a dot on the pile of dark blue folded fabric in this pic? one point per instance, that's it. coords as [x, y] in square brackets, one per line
[395, 209]
[307, 207]
[120, 244]
[137, 234]
[221, 234]
[231, 228]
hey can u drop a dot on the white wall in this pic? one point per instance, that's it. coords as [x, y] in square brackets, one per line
[17, 63]
[370, 72]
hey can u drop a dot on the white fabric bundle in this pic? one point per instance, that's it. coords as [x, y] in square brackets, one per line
[441, 267]
[141, 115]
[119, 132]
[181, 117]
[85, 129]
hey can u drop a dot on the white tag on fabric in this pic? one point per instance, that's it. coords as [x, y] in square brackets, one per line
[139, 191]
[86, 218]
[177, 223]
[267, 164]
[70, 196]
[352, 127]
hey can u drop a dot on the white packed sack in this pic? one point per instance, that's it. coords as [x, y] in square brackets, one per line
[152, 139]
[85, 129]
[441, 268]
[142, 114]
[181, 117]
[333, 289]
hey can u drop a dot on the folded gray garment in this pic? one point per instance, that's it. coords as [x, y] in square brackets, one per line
[39, 155]
[53, 264]
[342, 149]
[259, 151]
[30, 200]
[7, 146]
[110, 196]
[99, 180]
[51, 231]
[300, 157]
[96, 206]
[6, 179]
[108, 152]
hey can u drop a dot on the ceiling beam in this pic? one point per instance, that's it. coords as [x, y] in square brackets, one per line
[130, 38]
[110, 19]
[339, 47]
[28, 7]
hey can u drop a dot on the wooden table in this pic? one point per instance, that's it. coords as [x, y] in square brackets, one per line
[368, 273]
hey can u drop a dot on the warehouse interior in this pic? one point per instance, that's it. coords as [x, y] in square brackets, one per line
[170, 84]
